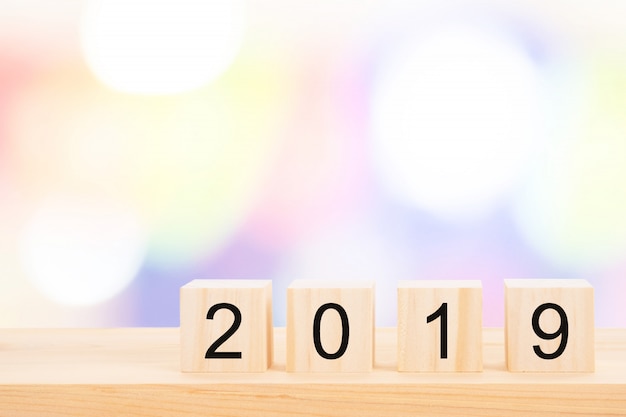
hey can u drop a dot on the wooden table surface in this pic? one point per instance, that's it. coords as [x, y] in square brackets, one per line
[136, 372]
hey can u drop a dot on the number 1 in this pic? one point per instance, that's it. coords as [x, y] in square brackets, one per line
[442, 312]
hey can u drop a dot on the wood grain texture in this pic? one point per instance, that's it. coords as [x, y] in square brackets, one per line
[522, 298]
[136, 373]
[419, 342]
[252, 338]
[304, 299]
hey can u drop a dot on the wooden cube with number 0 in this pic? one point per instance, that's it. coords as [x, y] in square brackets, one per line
[226, 326]
[549, 325]
[330, 326]
[440, 326]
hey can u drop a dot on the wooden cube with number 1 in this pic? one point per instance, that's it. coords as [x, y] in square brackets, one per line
[549, 325]
[440, 326]
[226, 326]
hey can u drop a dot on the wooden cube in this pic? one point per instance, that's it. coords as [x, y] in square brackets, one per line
[549, 325]
[226, 326]
[330, 326]
[440, 326]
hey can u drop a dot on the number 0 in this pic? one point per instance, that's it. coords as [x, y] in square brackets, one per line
[345, 331]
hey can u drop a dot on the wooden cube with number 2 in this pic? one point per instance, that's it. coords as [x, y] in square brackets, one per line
[226, 326]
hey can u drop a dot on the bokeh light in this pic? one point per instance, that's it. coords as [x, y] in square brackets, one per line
[161, 47]
[145, 144]
[455, 116]
[323, 148]
[572, 211]
[209, 161]
[187, 162]
[82, 252]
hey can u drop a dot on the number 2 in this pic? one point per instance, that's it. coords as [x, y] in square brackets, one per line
[442, 312]
[211, 352]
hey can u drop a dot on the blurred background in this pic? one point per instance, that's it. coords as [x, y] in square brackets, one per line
[144, 144]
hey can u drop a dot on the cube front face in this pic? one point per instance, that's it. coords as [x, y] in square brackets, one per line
[226, 326]
[549, 326]
[330, 326]
[440, 326]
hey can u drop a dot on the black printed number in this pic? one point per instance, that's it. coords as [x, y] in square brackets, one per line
[561, 331]
[345, 331]
[212, 353]
[442, 312]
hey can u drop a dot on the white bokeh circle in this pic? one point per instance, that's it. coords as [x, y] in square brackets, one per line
[456, 115]
[80, 252]
[161, 47]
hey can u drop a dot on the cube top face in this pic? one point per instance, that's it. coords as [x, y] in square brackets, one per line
[443, 284]
[547, 283]
[228, 283]
[440, 326]
[549, 325]
[330, 326]
[330, 284]
[226, 326]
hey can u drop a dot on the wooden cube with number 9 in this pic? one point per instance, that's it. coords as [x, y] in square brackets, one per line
[226, 326]
[440, 326]
[549, 325]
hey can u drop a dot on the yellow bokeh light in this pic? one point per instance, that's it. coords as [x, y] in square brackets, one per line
[191, 163]
[573, 210]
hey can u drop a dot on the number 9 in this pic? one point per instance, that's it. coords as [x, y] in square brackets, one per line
[561, 331]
